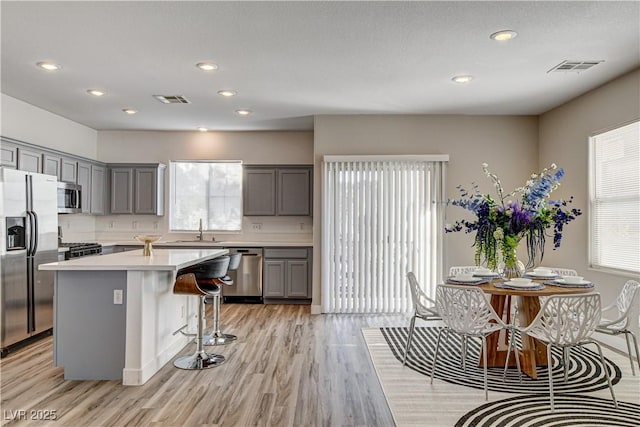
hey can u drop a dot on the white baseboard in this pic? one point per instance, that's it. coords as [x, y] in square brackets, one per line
[141, 376]
[316, 309]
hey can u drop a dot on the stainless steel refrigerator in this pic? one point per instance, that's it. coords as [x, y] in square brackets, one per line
[29, 225]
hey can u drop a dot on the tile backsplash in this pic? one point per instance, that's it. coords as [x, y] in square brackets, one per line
[124, 227]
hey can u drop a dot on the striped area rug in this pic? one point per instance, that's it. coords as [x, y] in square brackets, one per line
[584, 374]
[453, 401]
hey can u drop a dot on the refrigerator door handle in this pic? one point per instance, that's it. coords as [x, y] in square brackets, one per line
[35, 233]
[29, 236]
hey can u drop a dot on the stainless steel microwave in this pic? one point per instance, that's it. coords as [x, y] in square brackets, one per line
[69, 198]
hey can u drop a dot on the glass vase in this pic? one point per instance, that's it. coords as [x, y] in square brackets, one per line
[512, 268]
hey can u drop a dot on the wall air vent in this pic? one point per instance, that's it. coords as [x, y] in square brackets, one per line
[573, 66]
[172, 99]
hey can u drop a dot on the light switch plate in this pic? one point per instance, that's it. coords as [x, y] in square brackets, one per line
[117, 296]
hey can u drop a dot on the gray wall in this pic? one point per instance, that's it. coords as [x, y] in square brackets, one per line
[509, 144]
[564, 139]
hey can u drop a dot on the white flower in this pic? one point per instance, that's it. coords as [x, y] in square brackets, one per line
[498, 234]
[534, 176]
[553, 166]
[484, 165]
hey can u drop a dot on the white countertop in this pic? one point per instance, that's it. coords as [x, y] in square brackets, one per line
[210, 244]
[162, 259]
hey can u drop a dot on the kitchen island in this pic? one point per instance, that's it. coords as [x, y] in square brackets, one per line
[115, 315]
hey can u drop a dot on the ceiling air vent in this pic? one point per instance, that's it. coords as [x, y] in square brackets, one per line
[172, 99]
[573, 66]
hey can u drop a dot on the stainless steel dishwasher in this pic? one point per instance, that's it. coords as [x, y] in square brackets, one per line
[247, 279]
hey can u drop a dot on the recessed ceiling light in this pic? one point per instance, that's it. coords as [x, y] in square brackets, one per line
[95, 92]
[243, 112]
[130, 110]
[503, 35]
[49, 66]
[202, 129]
[462, 79]
[207, 66]
[227, 93]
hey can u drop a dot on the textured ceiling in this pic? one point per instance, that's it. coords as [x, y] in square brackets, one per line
[289, 61]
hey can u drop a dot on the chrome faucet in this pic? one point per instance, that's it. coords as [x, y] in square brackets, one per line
[200, 229]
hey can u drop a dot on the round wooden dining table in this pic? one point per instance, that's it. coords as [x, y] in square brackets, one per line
[533, 352]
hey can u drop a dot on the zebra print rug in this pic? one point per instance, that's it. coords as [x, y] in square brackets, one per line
[534, 410]
[584, 374]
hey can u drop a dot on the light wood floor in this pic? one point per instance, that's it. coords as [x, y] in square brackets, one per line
[287, 368]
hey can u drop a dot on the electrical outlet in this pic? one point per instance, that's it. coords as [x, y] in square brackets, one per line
[134, 225]
[302, 226]
[182, 311]
[112, 224]
[155, 225]
[117, 296]
[256, 226]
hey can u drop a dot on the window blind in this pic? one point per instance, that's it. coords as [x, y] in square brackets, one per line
[381, 219]
[615, 199]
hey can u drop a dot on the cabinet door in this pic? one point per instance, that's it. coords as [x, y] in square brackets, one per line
[51, 165]
[294, 192]
[121, 191]
[98, 186]
[298, 279]
[273, 279]
[68, 170]
[259, 191]
[84, 181]
[30, 161]
[8, 155]
[145, 191]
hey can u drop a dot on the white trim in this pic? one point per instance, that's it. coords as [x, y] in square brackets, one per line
[381, 158]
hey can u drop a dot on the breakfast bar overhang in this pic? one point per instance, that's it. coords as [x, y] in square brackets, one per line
[115, 316]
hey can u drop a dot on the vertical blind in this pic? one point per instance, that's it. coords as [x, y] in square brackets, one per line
[615, 199]
[382, 217]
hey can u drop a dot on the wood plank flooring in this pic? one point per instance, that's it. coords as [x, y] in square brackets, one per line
[287, 368]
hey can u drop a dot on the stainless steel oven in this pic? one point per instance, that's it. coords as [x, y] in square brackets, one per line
[247, 279]
[69, 198]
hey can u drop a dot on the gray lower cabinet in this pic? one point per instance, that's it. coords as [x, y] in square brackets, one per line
[277, 190]
[137, 189]
[287, 273]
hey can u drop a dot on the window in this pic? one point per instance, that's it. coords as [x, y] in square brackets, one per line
[615, 199]
[210, 191]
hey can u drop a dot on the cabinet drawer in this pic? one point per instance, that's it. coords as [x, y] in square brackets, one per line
[285, 253]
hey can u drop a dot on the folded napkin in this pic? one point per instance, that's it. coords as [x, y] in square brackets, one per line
[569, 285]
[506, 285]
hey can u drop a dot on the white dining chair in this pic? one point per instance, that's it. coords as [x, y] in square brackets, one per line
[567, 321]
[461, 269]
[423, 306]
[466, 312]
[620, 324]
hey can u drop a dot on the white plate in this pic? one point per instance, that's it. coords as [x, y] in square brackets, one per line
[489, 274]
[473, 280]
[542, 276]
[564, 282]
[522, 285]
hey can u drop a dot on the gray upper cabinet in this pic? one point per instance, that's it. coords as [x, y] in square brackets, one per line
[84, 180]
[29, 160]
[68, 170]
[8, 155]
[148, 197]
[121, 190]
[137, 189]
[98, 184]
[294, 191]
[277, 190]
[259, 191]
[51, 165]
